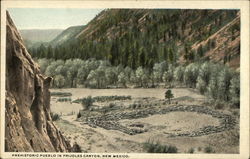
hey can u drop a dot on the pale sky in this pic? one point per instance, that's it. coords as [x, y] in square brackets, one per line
[51, 18]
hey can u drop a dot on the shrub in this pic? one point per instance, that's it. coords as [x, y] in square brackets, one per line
[63, 99]
[55, 116]
[111, 105]
[208, 149]
[104, 98]
[236, 113]
[76, 148]
[133, 106]
[219, 105]
[172, 149]
[87, 102]
[79, 115]
[139, 106]
[199, 148]
[191, 150]
[151, 147]
[234, 135]
[61, 94]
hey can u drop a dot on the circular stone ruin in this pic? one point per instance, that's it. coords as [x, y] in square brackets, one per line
[174, 121]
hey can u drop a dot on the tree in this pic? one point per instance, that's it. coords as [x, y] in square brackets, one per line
[101, 80]
[168, 76]
[212, 88]
[145, 78]
[59, 81]
[122, 78]
[204, 77]
[92, 79]
[82, 74]
[191, 74]
[234, 90]
[133, 78]
[169, 95]
[72, 74]
[139, 75]
[201, 85]
[43, 63]
[111, 75]
[114, 52]
[42, 51]
[224, 79]
[51, 69]
[87, 102]
[171, 55]
[158, 71]
[96, 78]
[200, 51]
[179, 74]
[188, 53]
[127, 72]
[142, 56]
[73, 66]
[61, 70]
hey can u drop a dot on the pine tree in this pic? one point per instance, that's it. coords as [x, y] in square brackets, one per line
[200, 51]
[169, 95]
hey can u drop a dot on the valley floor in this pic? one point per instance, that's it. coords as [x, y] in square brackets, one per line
[102, 135]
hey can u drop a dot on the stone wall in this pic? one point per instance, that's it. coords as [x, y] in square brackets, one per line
[110, 121]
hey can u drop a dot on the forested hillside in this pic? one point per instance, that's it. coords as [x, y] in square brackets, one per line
[67, 35]
[143, 37]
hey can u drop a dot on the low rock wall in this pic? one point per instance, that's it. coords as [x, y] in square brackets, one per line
[110, 121]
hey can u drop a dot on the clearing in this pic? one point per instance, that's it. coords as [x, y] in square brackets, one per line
[187, 123]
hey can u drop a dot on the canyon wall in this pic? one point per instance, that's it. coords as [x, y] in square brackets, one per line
[28, 124]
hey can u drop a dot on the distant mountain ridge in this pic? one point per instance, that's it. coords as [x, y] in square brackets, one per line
[35, 37]
[66, 35]
[40, 35]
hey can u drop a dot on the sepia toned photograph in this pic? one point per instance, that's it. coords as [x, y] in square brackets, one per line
[118, 81]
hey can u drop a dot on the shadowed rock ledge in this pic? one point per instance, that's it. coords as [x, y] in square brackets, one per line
[28, 124]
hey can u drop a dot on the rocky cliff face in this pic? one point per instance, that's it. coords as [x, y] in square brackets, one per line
[226, 43]
[28, 124]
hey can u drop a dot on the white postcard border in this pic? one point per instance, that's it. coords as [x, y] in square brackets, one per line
[244, 64]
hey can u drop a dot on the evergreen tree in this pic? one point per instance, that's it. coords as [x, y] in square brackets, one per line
[234, 90]
[169, 95]
[200, 51]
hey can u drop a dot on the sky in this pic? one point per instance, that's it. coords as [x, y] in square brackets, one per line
[51, 18]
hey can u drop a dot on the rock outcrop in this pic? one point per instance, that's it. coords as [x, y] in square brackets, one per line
[28, 124]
